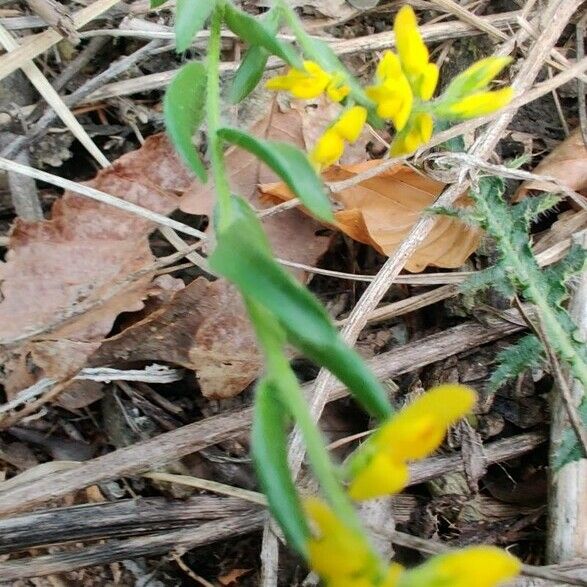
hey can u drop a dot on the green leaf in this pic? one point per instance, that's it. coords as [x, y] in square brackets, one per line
[157, 3]
[570, 449]
[249, 74]
[257, 34]
[252, 66]
[525, 354]
[299, 313]
[191, 16]
[291, 165]
[183, 107]
[269, 452]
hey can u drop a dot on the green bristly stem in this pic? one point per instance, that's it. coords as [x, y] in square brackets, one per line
[552, 326]
[221, 184]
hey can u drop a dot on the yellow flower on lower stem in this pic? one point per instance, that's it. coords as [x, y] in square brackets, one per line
[330, 146]
[481, 103]
[341, 556]
[481, 566]
[417, 132]
[379, 467]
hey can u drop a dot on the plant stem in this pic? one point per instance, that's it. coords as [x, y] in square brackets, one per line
[279, 370]
[223, 192]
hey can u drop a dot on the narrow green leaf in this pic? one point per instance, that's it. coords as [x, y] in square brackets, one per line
[157, 3]
[269, 451]
[183, 107]
[256, 34]
[252, 66]
[249, 74]
[291, 165]
[299, 313]
[190, 18]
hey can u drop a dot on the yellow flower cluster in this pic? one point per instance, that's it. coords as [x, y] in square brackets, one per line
[402, 93]
[380, 466]
[343, 558]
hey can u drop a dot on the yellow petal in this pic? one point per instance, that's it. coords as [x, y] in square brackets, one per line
[412, 51]
[351, 123]
[380, 476]
[337, 553]
[392, 576]
[337, 90]
[481, 103]
[389, 66]
[428, 81]
[328, 149]
[278, 83]
[419, 428]
[482, 566]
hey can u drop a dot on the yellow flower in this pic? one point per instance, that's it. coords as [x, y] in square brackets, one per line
[481, 566]
[392, 92]
[379, 467]
[414, 55]
[342, 557]
[309, 83]
[304, 84]
[330, 146]
[417, 133]
[481, 103]
[328, 149]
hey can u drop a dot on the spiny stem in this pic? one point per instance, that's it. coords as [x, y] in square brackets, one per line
[221, 184]
[531, 277]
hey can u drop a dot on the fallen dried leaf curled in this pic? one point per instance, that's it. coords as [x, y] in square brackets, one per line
[79, 254]
[567, 163]
[382, 210]
[203, 327]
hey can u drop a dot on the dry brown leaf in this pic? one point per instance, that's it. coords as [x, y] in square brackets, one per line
[203, 327]
[291, 233]
[567, 163]
[382, 210]
[79, 254]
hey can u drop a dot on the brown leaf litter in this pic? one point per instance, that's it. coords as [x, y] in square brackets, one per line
[382, 210]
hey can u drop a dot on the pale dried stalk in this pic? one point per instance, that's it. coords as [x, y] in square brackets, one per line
[557, 13]
[37, 44]
[567, 537]
[100, 196]
[53, 99]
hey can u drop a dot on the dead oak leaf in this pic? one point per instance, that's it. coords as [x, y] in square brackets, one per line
[79, 254]
[382, 210]
[292, 234]
[566, 163]
[203, 327]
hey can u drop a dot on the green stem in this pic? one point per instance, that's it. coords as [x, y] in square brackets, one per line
[221, 184]
[279, 369]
